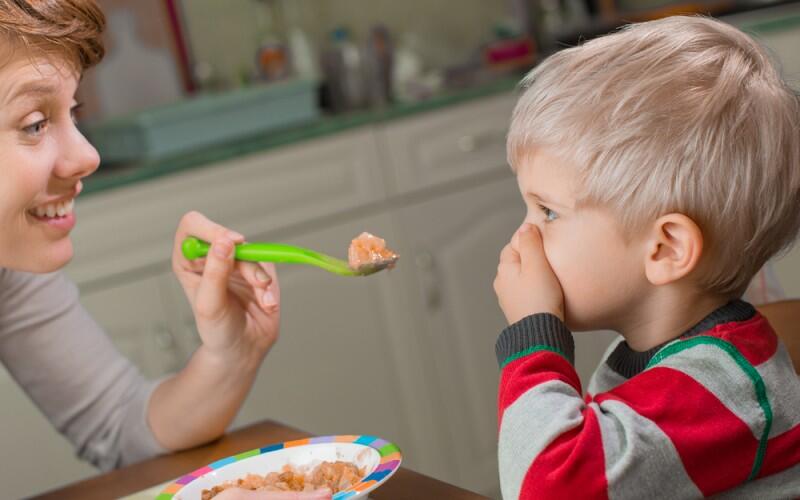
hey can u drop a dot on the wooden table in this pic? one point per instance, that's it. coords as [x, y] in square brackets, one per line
[404, 484]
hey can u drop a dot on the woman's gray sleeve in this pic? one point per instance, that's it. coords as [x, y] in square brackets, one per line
[70, 369]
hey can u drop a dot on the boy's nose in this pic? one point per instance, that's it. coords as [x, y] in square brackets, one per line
[78, 157]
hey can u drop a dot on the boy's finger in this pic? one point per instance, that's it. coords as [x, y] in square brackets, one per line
[508, 255]
[212, 294]
[531, 251]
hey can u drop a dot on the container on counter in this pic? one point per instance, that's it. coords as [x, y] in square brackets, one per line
[378, 64]
[343, 67]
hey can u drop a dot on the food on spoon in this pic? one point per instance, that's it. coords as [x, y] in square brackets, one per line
[336, 476]
[368, 250]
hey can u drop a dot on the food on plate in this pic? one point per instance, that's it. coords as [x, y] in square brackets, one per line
[369, 250]
[336, 476]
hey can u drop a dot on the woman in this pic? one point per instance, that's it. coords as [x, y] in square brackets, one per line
[49, 344]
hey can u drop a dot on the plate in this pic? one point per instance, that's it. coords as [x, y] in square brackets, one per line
[378, 457]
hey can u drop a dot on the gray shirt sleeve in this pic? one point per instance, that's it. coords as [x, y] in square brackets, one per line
[70, 369]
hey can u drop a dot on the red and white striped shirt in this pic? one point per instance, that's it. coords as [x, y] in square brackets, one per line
[714, 412]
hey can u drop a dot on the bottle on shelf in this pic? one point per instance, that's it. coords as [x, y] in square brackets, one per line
[343, 67]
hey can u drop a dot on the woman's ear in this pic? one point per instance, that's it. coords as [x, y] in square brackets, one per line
[673, 249]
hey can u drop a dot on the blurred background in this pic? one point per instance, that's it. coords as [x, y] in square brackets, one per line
[307, 122]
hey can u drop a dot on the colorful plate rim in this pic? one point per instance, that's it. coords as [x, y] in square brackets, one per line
[390, 454]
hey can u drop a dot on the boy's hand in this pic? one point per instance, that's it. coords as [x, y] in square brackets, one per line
[525, 282]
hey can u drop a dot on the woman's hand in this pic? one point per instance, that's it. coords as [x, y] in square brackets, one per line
[525, 282]
[235, 306]
[235, 303]
[240, 494]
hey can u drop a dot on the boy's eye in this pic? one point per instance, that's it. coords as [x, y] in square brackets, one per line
[549, 215]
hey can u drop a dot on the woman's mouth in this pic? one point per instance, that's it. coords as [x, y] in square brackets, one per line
[53, 210]
[57, 216]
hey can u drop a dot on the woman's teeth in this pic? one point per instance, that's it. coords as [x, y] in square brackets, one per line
[59, 209]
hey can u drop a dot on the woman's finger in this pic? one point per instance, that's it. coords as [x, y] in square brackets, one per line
[211, 301]
[197, 225]
[196, 265]
[260, 278]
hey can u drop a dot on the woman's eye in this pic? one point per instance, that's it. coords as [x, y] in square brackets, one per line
[549, 215]
[36, 129]
[73, 112]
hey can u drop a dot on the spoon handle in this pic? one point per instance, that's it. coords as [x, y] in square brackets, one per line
[194, 248]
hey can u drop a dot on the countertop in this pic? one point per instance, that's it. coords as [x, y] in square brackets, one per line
[114, 176]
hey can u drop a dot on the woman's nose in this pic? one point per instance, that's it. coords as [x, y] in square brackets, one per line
[78, 158]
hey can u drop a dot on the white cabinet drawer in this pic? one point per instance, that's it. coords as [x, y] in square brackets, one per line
[132, 227]
[439, 147]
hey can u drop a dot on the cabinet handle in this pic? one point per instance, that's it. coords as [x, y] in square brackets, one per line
[431, 289]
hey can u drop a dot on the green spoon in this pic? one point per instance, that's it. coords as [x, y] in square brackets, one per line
[287, 254]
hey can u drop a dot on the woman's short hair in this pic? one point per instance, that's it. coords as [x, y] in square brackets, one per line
[70, 29]
[683, 114]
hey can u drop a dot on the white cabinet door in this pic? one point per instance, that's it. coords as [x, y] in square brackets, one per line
[455, 242]
[134, 316]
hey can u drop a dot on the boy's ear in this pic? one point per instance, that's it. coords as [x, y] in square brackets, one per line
[673, 249]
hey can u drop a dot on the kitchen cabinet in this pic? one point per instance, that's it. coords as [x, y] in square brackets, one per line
[439, 148]
[135, 316]
[454, 242]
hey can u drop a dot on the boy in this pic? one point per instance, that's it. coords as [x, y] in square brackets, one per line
[661, 169]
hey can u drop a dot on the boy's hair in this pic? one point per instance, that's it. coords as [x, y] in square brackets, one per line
[68, 29]
[683, 114]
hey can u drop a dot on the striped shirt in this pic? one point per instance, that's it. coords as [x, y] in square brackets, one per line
[714, 412]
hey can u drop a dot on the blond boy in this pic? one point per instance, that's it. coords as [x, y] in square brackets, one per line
[660, 166]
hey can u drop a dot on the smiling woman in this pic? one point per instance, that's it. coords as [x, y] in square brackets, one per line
[46, 156]
[49, 344]
[46, 46]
